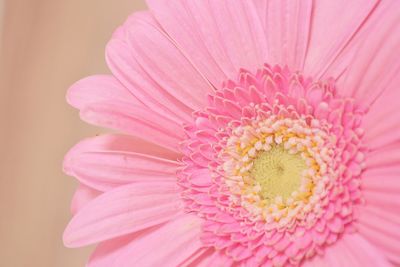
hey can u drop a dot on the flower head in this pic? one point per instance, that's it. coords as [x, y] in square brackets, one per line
[274, 156]
[273, 137]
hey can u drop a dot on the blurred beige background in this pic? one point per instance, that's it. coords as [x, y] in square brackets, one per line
[45, 46]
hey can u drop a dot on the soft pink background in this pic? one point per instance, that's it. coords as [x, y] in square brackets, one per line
[45, 46]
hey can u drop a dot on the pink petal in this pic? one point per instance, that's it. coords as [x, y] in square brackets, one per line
[385, 227]
[389, 245]
[219, 37]
[287, 27]
[216, 258]
[351, 250]
[382, 199]
[83, 195]
[108, 251]
[376, 62]
[136, 121]
[198, 257]
[168, 246]
[160, 58]
[128, 71]
[379, 180]
[98, 88]
[379, 218]
[178, 21]
[366, 211]
[201, 177]
[382, 120]
[386, 232]
[119, 142]
[384, 180]
[107, 162]
[330, 35]
[339, 65]
[124, 210]
[387, 156]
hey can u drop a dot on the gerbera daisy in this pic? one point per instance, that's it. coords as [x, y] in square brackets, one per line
[268, 136]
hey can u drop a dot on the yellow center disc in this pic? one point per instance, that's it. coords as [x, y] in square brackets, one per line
[277, 172]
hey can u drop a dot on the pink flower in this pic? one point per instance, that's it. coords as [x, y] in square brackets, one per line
[272, 137]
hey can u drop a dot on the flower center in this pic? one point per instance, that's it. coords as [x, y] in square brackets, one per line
[278, 173]
[278, 168]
